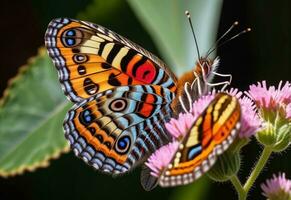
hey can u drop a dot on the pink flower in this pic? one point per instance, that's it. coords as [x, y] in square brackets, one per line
[272, 100]
[277, 188]
[250, 120]
[179, 127]
[234, 92]
[200, 104]
[161, 158]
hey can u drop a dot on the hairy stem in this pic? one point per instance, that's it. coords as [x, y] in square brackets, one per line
[238, 187]
[258, 168]
[242, 191]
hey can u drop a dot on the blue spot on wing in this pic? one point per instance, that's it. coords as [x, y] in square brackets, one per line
[70, 41]
[194, 151]
[122, 143]
[71, 33]
[86, 117]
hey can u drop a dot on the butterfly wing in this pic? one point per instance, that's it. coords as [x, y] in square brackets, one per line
[122, 94]
[210, 135]
[114, 130]
[91, 59]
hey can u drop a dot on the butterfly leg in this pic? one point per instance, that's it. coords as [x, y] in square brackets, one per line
[224, 83]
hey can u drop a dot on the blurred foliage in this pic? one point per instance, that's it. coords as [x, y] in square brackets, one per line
[31, 115]
[170, 29]
[98, 11]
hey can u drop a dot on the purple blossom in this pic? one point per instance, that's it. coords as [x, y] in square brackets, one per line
[161, 158]
[179, 127]
[200, 104]
[270, 99]
[250, 120]
[277, 188]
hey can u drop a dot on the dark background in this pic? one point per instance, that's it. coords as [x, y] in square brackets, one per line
[263, 54]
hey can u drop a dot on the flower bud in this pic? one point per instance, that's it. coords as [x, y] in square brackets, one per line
[275, 137]
[225, 167]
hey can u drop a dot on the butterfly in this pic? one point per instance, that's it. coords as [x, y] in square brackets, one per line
[122, 94]
[210, 135]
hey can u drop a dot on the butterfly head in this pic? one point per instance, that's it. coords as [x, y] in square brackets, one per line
[194, 83]
[205, 66]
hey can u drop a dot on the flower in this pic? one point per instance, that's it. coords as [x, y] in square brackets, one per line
[161, 158]
[251, 122]
[274, 107]
[200, 104]
[272, 101]
[277, 188]
[179, 127]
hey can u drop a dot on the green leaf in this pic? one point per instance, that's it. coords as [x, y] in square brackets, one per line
[31, 115]
[171, 32]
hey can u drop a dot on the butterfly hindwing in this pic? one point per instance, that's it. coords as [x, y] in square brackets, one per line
[211, 134]
[116, 129]
[91, 59]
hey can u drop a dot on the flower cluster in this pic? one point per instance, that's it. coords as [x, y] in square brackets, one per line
[274, 106]
[272, 102]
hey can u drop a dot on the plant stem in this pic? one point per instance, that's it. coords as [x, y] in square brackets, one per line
[238, 187]
[242, 191]
[258, 168]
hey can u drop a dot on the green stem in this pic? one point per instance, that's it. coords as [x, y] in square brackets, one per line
[258, 168]
[243, 191]
[238, 187]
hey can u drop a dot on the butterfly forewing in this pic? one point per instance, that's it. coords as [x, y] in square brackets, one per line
[91, 59]
[211, 134]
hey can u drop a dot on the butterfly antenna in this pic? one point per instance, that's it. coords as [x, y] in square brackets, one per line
[221, 37]
[233, 37]
[190, 21]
